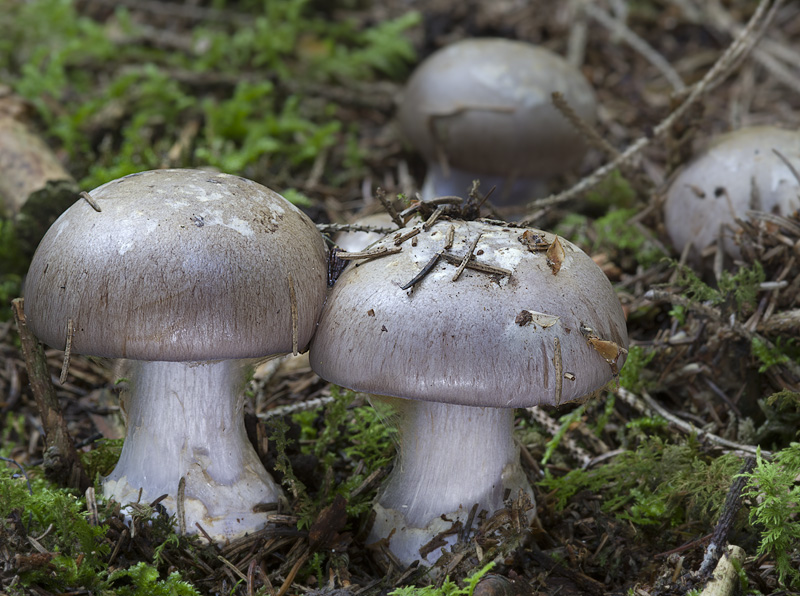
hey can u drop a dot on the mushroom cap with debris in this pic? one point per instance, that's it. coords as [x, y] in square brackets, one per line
[738, 172]
[486, 106]
[178, 265]
[552, 331]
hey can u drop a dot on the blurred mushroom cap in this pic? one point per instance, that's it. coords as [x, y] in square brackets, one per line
[738, 172]
[358, 241]
[486, 106]
[178, 265]
[529, 338]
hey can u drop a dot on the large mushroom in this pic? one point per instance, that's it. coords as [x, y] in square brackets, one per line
[749, 169]
[531, 320]
[190, 274]
[482, 108]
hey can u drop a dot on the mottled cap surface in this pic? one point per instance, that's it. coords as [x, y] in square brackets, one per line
[178, 265]
[487, 339]
[740, 171]
[486, 105]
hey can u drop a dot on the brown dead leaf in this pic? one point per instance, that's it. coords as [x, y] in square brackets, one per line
[555, 256]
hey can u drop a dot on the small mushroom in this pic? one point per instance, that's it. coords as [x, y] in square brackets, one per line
[740, 171]
[454, 355]
[192, 275]
[483, 109]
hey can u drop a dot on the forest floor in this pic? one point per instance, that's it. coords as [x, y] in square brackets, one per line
[300, 95]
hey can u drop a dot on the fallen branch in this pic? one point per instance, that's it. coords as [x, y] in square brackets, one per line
[61, 462]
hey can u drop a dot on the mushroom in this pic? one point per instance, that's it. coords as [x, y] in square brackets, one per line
[531, 320]
[482, 108]
[740, 171]
[192, 275]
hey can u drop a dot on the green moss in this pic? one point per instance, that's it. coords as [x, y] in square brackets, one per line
[359, 434]
[632, 375]
[60, 518]
[143, 580]
[736, 290]
[119, 108]
[448, 587]
[656, 484]
[774, 495]
[614, 191]
[100, 461]
[615, 234]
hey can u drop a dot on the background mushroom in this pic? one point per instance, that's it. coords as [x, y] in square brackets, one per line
[482, 108]
[540, 324]
[190, 274]
[740, 171]
[357, 241]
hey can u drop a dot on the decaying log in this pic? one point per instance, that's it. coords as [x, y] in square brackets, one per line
[34, 186]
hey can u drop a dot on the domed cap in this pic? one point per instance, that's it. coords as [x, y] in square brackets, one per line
[487, 339]
[738, 172]
[487, 104]
[178, 265]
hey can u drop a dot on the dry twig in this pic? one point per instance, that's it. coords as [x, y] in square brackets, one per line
[729, 60]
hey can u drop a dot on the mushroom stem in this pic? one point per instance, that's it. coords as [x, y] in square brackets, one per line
[185, 420]
[450, 457]
[508, 189]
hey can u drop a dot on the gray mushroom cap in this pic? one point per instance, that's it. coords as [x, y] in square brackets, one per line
[738, 172]
[178, 265]
[486, 104]
[483, 340]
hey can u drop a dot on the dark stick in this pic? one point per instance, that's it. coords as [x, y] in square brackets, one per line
[61, 461]
[731, 507]
[425, 270]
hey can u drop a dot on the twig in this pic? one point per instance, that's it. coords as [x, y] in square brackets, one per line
[310, 404]
[21, 469]
[552, 427]
[424, 271]
[180, 505]
[293, 306]
[584, 128]
[381, 251]
[387, 204]
[559, 368]
[292, 573]
[725, 581]
[637, 43]
[788, 164]
[448, 242]
[733, 503]
[332, 228]
[477, 266]
[233, 568]
[722, 67]
[403, 237]
[61, 462]
[437, 213]
[716, 315]
[67, 352]
[88, 198]
[687, 427]
[773, 56]
[467, 257]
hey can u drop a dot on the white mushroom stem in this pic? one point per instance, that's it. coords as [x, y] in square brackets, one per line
[185, 420]
[450, 457]
[508, 189]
